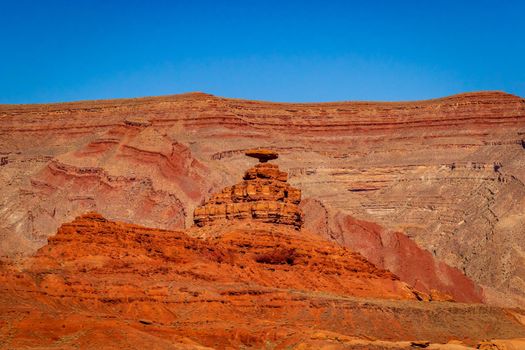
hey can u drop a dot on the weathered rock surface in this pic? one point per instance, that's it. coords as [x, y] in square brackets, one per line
[502, 344]
[448, 173]
[264, 196]
[393, 251]
[99, 283]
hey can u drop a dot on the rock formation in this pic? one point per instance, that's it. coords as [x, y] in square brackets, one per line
[263, 155]
[393, 251]
[105, 284]
[263, 195]
[447, 173]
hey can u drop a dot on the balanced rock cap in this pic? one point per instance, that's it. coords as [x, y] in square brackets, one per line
[263, 155]
[264, 195]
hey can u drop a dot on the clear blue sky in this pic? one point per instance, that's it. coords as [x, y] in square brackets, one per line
[268, 50]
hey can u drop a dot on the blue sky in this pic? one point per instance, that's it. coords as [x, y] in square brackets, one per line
[294, 51]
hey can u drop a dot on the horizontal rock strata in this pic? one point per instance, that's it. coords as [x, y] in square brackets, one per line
[263, 195]
[447, 172]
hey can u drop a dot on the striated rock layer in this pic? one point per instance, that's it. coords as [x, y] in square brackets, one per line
[393, 251]
[448, 173]
[264, 196]
[99, 283]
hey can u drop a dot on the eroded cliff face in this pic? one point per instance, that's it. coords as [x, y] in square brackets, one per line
[100, 283]
[129, 172]
[448, 172]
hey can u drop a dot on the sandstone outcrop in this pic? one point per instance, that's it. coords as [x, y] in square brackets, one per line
[393, 251]
[100, 284]
[447, 173]
[263, 195]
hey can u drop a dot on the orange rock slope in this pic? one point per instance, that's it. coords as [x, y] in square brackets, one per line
[99, 283]
[446, 173]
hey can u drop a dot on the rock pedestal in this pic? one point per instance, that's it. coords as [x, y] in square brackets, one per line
[263, 195]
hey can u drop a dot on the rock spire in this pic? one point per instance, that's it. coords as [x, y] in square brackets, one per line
[263, 195]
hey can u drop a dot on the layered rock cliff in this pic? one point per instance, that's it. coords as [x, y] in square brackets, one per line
[448, 173]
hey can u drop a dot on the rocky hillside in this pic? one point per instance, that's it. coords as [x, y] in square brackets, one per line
[445, 173]
[104, 284]
[246, 275]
